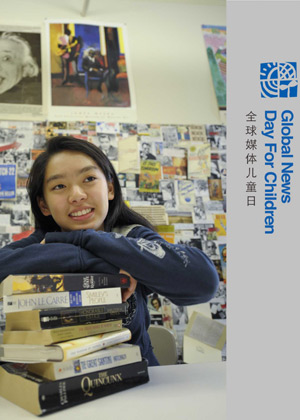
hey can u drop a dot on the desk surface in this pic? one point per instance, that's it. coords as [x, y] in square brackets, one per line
[189, 391]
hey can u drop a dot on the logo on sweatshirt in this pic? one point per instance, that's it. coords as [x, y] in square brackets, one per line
[151, 246]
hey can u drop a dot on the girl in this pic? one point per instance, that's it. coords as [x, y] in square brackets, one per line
[83, 225]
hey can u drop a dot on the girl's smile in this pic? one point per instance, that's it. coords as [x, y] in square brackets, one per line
[76, 192]
[82, 213]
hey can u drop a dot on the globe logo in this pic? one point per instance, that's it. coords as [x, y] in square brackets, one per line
[278, 80]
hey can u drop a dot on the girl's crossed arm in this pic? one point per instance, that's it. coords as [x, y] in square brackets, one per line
[28, 256]
[183, 274]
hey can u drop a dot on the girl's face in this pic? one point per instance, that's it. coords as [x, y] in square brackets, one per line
[76, 192]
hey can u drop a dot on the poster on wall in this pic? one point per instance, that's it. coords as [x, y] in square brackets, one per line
[89, 72]
[215, 42]
[20, 73]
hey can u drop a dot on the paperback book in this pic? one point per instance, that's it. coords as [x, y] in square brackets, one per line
[41, 319]
[29, 301]
[59, 352]
[57, 335]
[42, 396]
[41, 283]
[149, 176]
[120, 354]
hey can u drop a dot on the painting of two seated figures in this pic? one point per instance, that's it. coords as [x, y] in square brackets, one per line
[88, 66]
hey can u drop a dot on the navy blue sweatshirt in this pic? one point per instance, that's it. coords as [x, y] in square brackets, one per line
[185, 275]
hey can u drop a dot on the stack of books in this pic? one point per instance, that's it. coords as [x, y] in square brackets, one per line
[63, 342]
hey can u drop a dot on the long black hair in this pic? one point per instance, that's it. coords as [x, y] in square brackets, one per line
[119, 214]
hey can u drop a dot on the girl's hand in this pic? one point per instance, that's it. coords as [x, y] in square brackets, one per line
[126, 293]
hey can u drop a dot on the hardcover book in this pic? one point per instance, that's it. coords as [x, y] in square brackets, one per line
[29, 301]
[59, 352]
[57, 335]
[41, 319]
[120, 354]
[43, 396]
[41, 283]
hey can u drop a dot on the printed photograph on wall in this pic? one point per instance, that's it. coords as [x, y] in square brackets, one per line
[88, 70]
[215, 42]
[20, 73]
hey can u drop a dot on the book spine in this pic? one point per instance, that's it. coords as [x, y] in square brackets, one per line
[56, 395]
[106, 341]
[42, 319]
[43, 283]
[53, 396]
[56, 335]
[27, 302]
[83, 315]
[100, 360]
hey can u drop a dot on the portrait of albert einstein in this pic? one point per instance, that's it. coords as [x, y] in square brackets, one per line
[20, 68]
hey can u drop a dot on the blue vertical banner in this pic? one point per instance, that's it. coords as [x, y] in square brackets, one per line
[8, 182]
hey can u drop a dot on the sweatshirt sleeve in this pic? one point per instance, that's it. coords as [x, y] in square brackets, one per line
[183, 274]
[28, 256]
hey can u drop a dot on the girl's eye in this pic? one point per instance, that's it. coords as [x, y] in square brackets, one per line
[89, 178]
[58, 187]
[6, 58]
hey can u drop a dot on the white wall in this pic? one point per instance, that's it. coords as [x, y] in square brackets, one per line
[167, 52]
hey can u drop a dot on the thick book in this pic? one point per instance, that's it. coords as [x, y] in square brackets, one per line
[120, 354]
[40, 319]
[29, 301]
[56, 335]
[42, 283]
[59, 352]
[42, 396]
